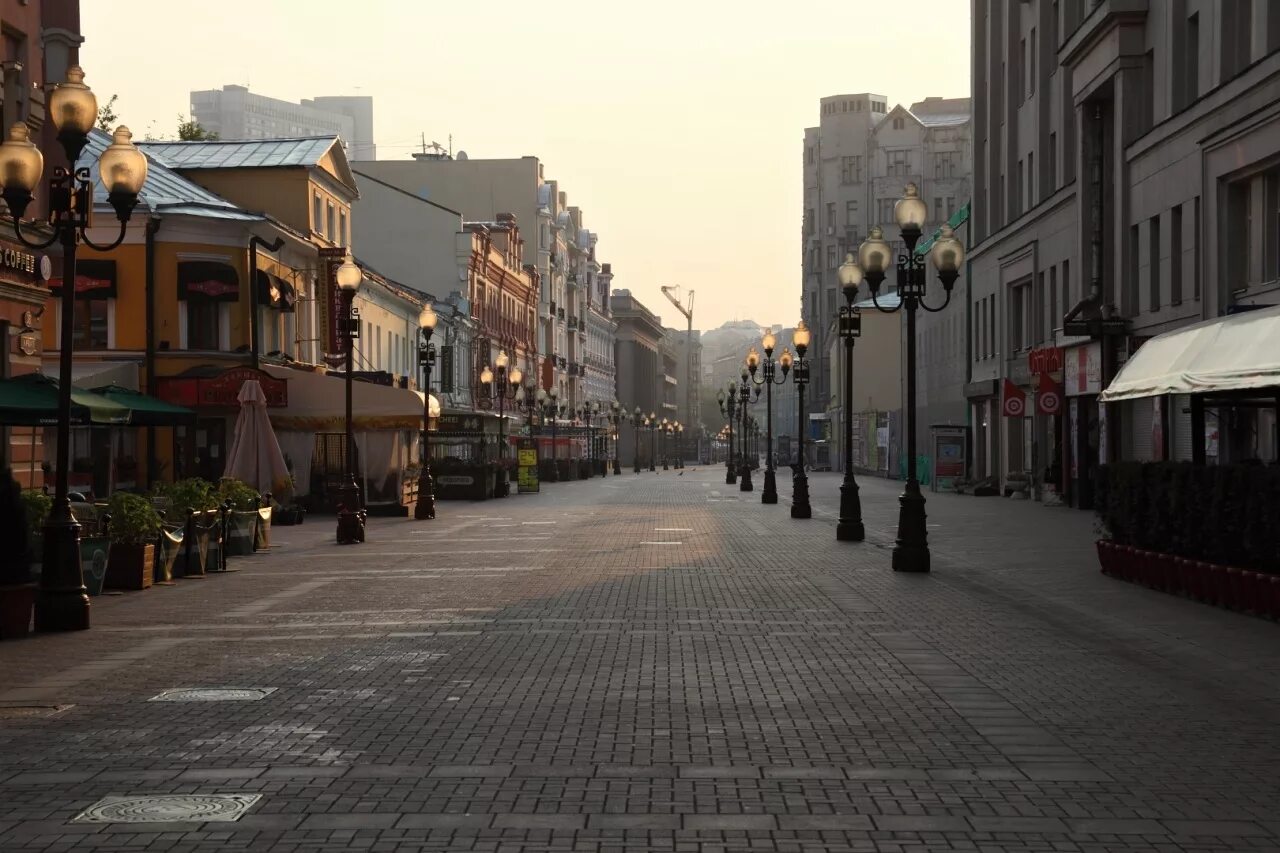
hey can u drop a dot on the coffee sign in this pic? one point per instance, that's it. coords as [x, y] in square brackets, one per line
[29, 267]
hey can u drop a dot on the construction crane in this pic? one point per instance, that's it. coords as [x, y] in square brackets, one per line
[672, 292]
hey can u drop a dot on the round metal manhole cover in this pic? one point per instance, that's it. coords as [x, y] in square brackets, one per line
[214, 694]
[184, 808]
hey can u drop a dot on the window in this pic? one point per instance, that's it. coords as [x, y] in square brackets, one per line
[1239, 233]
[899, 123]
[944, 164]
[1188, 82]
[90, 324]
[332, 232]
[317, 215]
[1052, 306]
[1031, 68]
[1017, 189]
[1175, 255]
[1036, 311]
[1195, 250]
[808, 155]
[831, 215]
[937, 209]
[899, 163]
[1271, 225]
[850, 212]
[809, 225]
[884, 212]
[991, 310]
[831, 302]
[951, 205]
[1031, 179]
[342, 228]
[850, 170]
[1153, 259]
[831, 257]
[1019, 312]
[1129, 299]
[1053, 162]
[204, 329]
[1066, 288]
[1236, 25]
[1022, 70]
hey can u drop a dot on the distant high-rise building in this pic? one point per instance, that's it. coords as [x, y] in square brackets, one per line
[233, 112]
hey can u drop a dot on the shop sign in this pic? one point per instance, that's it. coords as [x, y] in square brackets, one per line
[459, 423]
[1045, 360]
[330, 302]
[220, 392]
[22, 265]
[1074, 408]
[1082, 370]
[1048, 396]
[456, 480]
[527, 459]
[1013, 402]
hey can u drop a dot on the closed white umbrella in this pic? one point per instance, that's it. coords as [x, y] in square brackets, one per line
[255, 456]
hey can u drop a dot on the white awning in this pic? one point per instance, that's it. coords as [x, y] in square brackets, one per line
[317, 403]
[1234, 353]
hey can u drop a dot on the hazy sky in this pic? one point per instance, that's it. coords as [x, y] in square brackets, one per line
[677, 131]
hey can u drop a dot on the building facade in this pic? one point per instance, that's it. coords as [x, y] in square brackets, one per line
[1125, 185]
[857, 162]
[502, 292]
[640, 370]
[235, 113]
[601, 374]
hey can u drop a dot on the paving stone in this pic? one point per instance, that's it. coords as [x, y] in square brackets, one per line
[825, 822]
[920, 823]
[1050, 825]
[357, 821]
[559, 822]
[634, 821]
[445, 821]
[1115, 826]
[730, 822]
[1215, 828]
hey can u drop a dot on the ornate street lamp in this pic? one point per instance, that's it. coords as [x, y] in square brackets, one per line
[637, 420]
[911, 552]
[615, 418]
[426, 506]
[351, 511]
[770, 494]
[502, 385]
[62, 602]
[651, 423]
[728, 400]
[747, 394]
[664, 432]
[849, 528]
[552, 409]
[679, 445]
[800, 376]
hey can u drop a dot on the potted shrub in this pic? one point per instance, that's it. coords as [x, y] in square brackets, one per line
[35, 505]
[132, 529]
[243, 502]
[17, 592]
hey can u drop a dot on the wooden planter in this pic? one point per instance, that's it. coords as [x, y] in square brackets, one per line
[16, 602]
[1225, 586]
[130, 566]
[465, 484]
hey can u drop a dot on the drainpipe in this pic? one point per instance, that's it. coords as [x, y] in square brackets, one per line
[274, 246]
[149, 358]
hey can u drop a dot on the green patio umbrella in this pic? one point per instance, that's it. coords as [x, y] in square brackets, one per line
[146, 410]
[32, 400]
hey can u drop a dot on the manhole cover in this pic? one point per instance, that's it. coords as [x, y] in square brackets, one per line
[213, 694]
[177, 808]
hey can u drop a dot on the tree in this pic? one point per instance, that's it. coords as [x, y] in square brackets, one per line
[189, 130]
[107, 114]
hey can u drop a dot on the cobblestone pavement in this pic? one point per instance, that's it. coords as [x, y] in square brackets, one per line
[657, 662]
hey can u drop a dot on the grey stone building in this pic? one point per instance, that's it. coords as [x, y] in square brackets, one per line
[857, 162]
[1126, 184]
[233, 112]
[642, 377]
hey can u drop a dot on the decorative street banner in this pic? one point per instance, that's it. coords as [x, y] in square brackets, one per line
[1048, 396]
[329, 304]
[1014, 402]
[527, 460]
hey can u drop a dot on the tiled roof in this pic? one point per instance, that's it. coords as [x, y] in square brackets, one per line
[246, 154]
[165, 189]
[942, 119]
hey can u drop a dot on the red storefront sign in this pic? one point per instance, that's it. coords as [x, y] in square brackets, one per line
[1048, 396]
[219, 392]
[1014, 403]
[1045, 360]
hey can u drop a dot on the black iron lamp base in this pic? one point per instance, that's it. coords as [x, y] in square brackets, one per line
[911, 553]
[426, 506]
[617, 468]
[351, 516]
[62, 602]
[770, 493]
[744, 482]
[800, 496]
[730, 477]
[850, 528]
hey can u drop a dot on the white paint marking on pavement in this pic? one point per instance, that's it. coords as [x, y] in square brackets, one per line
[539, 522]
[673, 529]
[661, 543]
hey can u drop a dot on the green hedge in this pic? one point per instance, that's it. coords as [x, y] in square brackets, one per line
[1226, 514]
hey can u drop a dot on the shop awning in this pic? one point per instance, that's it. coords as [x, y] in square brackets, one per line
[275, 292]
[317, 403]
[1233, 353]
[32, 400]
[144, 410]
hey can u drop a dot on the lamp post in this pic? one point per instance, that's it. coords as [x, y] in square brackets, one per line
[652, 423]
[664, 430]
[744, 400]
[615, 418]
[62, 602]
[506, 383]
[911, 551]
[679, 445]
[849, 528]
[800, 376]
[351, 514]
[636, 421]
[769, 379]
[728, 400]
[552, 409]
[426, 506]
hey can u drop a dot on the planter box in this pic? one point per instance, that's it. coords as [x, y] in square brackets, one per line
[16, 602]
[262, 530]
[466, 484]
[130, 567]
[95, 553]
[1226, 586]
